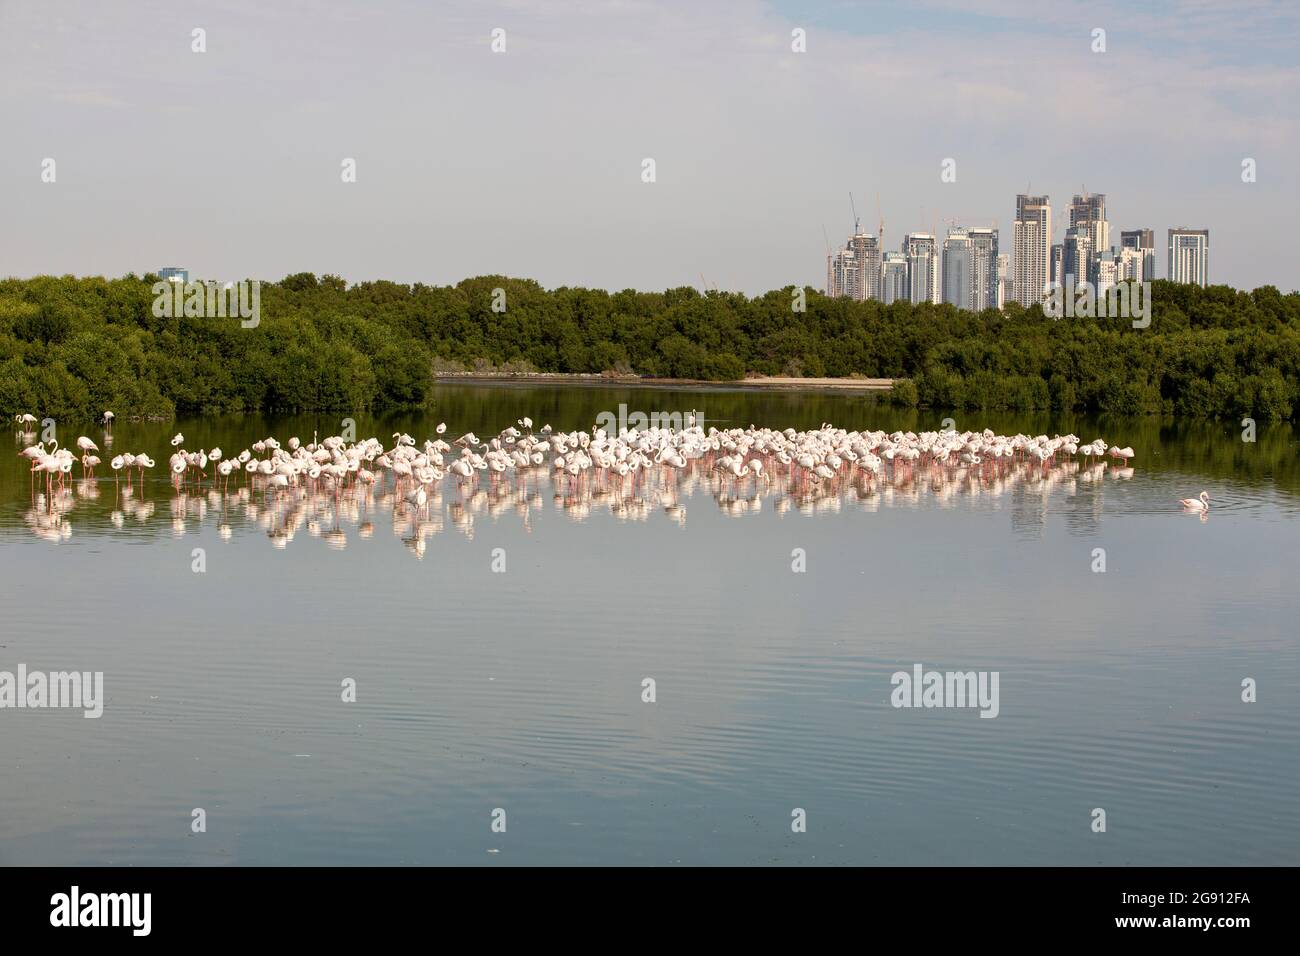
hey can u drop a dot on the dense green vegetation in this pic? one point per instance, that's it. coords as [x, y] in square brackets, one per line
[73, 347]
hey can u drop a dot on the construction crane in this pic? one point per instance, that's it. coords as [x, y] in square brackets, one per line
[852, 205]
[880, 238]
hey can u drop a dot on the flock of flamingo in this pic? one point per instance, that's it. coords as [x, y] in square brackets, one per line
[627, 470]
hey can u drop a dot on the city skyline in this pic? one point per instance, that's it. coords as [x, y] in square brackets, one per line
[529, 162]
[965, 267]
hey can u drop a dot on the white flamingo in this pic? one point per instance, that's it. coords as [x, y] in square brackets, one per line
[88, 461]
[142, 462]
[812, 467]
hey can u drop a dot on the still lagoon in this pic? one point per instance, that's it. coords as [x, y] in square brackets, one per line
[499, 640]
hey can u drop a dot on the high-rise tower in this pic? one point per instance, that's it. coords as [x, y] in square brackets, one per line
[1189, 256]
[1031, 244]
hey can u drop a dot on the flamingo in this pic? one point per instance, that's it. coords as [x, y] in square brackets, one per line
[142, 462]
[627, 471]
[87, 446]
[417, 497]
[1196, 505]
[33, 453]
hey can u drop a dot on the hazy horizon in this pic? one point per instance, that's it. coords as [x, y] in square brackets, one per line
[528, 163]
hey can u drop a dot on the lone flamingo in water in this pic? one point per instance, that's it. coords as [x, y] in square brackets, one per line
[1201, 504]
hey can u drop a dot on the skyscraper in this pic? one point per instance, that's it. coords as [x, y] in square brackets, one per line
[1005, 289]
[922, 267]
[1057, 271]
[844, 275]
[893, 278]
[1105, 271]
[1144, 241]
[854, 271]
[984, 269]
[866, 252]
[1189, 256]
[1089, 211]
[175, 273]
[958, 269]
[1133, 264]
[1077, 257]
[1031, 246]
[1137, 239]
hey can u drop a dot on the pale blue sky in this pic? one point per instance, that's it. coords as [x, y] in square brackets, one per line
[528, 163]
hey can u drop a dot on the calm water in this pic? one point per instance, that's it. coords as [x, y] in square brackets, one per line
[522, 690]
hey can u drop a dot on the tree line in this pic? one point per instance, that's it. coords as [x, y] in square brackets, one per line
[72, 347]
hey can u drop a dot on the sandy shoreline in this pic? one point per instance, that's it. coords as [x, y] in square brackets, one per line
[636, 381]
